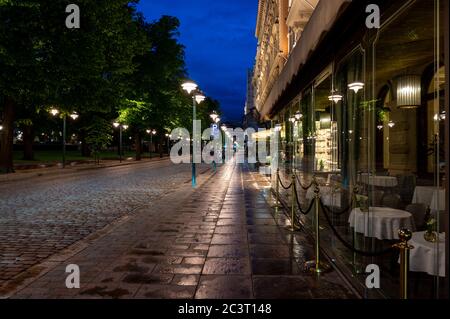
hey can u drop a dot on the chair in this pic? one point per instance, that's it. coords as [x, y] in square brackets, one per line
[443, 221]
[419, 212]
[406, 187]
[376, 198]
[391, 200]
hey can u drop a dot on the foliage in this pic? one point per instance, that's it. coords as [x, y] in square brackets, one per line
[99, 135]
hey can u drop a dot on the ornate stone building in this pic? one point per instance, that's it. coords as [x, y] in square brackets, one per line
[279, 26]
[364, 112]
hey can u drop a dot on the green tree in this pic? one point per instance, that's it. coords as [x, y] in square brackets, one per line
[45, 64]
[154, 95]
[98, 136]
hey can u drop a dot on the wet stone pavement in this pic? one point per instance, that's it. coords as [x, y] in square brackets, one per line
[218, 241]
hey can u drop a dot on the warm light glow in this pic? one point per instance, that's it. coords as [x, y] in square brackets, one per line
[356, 86]
[442, 116]
[199, 98]
[409, 91]
[1, 127]
[54, 112]
[217, 120]
[74, 116]
[335, 98]
[391, 124]
[116, 125]
[154, 132]
[292, 119]
[148, 131]
[325, 119]
[214, 116]
[125, 127]
[224, 128]
[380, 127]
[298, 116]
[189, 86]
[167, 135]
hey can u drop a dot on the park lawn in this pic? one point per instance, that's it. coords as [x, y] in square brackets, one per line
[48, 157]
[56, 156]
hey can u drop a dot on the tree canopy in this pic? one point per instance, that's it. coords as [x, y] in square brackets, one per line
[116, 66]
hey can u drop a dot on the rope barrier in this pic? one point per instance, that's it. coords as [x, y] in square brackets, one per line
[281, 183]
[304, 187]
[340, 213]
[300, 206]
[350, 246]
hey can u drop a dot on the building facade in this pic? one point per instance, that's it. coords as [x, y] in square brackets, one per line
[362, 111]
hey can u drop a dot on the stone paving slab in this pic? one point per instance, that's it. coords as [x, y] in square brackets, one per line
[219, 241]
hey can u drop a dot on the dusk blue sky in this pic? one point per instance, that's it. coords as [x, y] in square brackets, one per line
[220, 44]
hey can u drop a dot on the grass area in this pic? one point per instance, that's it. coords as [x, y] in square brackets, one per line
[56, 156]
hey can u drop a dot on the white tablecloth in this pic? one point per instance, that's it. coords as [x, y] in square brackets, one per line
[380, 181]
[430, 196]
[380, 222]
[425, 255]
[330, 196]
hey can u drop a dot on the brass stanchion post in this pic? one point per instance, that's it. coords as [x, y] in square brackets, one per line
[357, 267]
[317, 266]
[277, 194]
[293, 226]
[404, 235]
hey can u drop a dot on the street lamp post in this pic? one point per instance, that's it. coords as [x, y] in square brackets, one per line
[168, 143]
[190, 87]
[151, 133]
[74, 116]
[121, 129]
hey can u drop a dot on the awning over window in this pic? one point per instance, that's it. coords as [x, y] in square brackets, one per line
[320, 22]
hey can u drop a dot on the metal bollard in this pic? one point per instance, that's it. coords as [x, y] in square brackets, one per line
[404, 235]
[293, 226]
[317, 266]
[277, 191]
[357, 267]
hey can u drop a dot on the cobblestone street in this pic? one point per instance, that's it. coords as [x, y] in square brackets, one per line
[218, 241]
[41, 216]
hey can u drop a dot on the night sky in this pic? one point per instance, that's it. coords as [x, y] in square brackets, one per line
[220, 45]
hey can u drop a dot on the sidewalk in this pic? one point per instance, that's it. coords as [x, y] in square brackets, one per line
[218, 241]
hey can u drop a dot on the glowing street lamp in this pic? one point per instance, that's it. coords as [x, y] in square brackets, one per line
[298, 116]
[151, 133]
[214, 116]
[197, 98]
[168, 143]
[189, 86]
[54, 111]
[121, 129]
